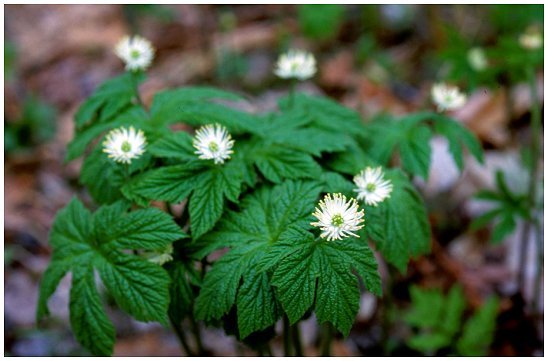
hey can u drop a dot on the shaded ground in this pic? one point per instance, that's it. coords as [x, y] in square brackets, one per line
[67, 52]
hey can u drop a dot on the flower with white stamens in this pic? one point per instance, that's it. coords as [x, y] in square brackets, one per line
[213, 142]
[123, 145]
[296, 64]
[372, 187]
[136, 52]
[337, 217]
[447, 97]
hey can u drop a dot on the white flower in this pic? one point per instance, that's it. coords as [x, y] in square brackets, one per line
[531, 40]
[213, 142]
[296, 64]
[136, 51]
[160, 257]
[447, 97]
[123, 145]
[477, 59]
[372, 187]
[338, 218]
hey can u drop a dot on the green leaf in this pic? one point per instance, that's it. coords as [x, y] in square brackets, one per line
[326, 113]
[88, 319]
[256, 303]
[429, 342]
[352, 160]
[108, 100]
[168, 106]
[320, 21]
[484, 219]
[139, 287]
[48, 284]
[171, 184]
[336, 293]
[268, 216]
[415, 151]
[180, 291]
[455, 304]
[310, 140]
[176, 145]
[207, 185]
[132, 116]
[236, 121]
[83, 242]
[278, 163]
[106, 188]
[504, 227]
[478, 331]
[221, 283]
[427, 308]
[458, 137]
[207, 201]
[399, 225]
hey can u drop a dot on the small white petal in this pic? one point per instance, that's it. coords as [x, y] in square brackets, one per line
[213, 142]
[296, 64]
[136, 52]
[123, 145]
[447, 97]
[338, 218]
[372, 187]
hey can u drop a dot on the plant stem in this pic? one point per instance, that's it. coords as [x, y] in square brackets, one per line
[387, 303]
[327, 337]
[533, 175]
[181, 336]
[292, 93]
[296, 336]
[197, 336]
[540, 264]
[136, 90]
[287, 337]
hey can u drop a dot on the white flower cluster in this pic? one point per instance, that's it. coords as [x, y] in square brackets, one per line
[213, 142]
[123, 145]
[136, 52]
[339, 218]
[372, 187]
[447, 97]
[296, 64]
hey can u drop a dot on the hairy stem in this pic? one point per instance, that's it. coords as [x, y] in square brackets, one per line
[287, 337]
[533, 175]
[292, 86]
[181, 336]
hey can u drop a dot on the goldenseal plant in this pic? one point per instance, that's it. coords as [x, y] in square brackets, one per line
[297, 199]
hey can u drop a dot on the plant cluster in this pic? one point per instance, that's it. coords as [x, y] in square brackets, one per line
[257, 217]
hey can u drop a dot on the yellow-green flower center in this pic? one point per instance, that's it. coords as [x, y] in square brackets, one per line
[213, 146]
[135, 54]
[126, 147]
[337, 220]
[371, 187]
